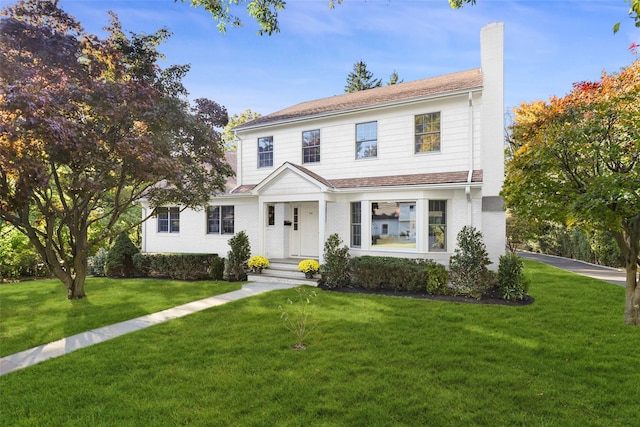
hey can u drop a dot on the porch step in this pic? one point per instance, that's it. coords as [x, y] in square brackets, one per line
[283, 271]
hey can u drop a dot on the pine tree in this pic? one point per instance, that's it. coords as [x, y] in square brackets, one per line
[394, 78]
[361, 79]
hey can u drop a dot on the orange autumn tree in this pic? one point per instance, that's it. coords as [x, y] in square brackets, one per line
[576, 160]
[89, 126]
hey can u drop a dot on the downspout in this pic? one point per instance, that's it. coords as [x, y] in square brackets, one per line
[467, 190]
[238, 159]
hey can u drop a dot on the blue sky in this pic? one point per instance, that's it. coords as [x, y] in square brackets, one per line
[549, 44]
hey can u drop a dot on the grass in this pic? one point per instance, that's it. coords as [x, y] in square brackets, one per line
[37, 312]
[566, 360]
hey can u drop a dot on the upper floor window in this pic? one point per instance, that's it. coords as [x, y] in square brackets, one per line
[366, 140]
[311, 146]
[265, 152]
[168, 220]
[427, 133]
[220, 219]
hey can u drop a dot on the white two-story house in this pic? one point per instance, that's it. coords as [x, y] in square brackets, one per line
[394, 171]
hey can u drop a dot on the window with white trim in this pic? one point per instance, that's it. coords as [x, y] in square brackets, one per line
[311, 146]
[356, 224]
[366, 140]
[168, 219]
[265, 152]
[437, 225]
[393, 225]
[220, 219]
[427, 133]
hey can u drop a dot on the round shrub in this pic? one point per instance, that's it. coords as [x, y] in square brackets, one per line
[95, 266]
[437, 278]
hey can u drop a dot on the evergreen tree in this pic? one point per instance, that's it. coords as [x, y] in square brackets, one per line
[361, 79]
[394, 78]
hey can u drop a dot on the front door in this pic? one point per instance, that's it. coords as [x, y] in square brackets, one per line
[304, 230]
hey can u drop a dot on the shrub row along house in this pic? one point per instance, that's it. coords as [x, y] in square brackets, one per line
[394, 171]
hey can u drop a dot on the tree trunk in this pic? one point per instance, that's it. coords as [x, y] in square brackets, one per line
[632, 300]
[629, 242]
[76, 290]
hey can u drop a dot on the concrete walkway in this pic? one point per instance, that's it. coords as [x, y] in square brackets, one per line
[63, 346]
[608, 274]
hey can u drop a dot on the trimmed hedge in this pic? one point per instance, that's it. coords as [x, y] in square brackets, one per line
[180, 266]
[395, 274]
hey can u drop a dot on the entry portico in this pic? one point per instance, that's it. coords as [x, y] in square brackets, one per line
[292, 207]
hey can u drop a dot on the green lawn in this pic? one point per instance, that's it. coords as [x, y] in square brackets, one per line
[37, 312]
[566, 360]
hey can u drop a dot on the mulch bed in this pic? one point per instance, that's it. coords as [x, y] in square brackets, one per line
[491, 297]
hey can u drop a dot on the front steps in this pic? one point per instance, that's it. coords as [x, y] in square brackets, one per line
[283, 271]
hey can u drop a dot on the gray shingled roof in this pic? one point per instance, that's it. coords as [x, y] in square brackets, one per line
[384, 181]
[401, 92]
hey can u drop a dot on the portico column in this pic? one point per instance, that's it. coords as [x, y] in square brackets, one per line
[261, 226]
[322, 225]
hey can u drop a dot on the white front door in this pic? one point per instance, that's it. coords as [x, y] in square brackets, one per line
[304, 230]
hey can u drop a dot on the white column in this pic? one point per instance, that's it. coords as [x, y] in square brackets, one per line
[261, 247]
[322, 227]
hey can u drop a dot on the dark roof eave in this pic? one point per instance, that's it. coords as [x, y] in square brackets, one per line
[415, 181]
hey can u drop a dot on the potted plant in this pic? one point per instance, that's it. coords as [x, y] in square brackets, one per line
[257, 263]
[309, 267]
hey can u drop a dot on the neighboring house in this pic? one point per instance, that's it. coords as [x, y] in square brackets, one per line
[395, 171]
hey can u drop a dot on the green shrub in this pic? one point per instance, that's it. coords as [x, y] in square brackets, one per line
[237, 257]
[389, 273]
[512, 283]
[119, 260]
[180, 266]
[335, 270]
[95, 264]
[468, 270]
[437, 278]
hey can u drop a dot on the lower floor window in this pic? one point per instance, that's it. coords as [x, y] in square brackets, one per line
[356, 225]
[168, 220]
[393, 224]
[220, 220]
[437, 225]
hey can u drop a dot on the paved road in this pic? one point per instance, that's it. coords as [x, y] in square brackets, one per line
[608, 274]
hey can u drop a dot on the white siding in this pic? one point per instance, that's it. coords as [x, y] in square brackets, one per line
[395, 142]
[289, 183]
[193, 237]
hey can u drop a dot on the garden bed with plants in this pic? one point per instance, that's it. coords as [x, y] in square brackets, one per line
[491, 296]
[467, 279]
